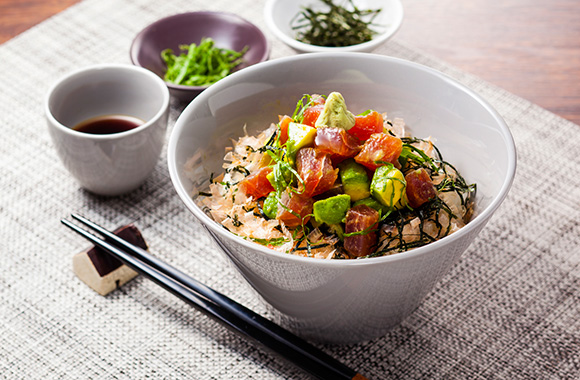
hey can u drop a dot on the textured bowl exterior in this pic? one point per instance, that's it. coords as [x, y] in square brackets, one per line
[227, 30]
[280, 13]
[345, 301]
[339, 303]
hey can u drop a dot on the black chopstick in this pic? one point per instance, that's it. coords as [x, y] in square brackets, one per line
[218, 306]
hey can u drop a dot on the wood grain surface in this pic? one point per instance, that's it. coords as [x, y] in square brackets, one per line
[528, 47]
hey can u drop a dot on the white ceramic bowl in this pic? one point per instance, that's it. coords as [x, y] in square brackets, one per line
[341, 301]
[116, 163]
[280, 13]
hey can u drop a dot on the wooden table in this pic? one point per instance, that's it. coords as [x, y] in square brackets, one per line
[528, 47]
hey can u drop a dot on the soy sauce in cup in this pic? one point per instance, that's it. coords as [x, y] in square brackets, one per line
[108, 124]
[114, 156]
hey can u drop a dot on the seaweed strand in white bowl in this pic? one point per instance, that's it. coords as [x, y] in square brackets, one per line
[336, 26]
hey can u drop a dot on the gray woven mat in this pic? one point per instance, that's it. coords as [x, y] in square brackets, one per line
[508, 310]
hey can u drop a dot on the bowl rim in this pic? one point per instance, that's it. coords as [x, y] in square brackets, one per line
[304, 47]
[478, 221]
[139, 38]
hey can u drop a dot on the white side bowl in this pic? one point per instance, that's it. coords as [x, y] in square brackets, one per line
[280, 13]
[116, 163]
[343, 301]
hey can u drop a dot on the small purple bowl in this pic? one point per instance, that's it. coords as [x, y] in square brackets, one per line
[229, 31]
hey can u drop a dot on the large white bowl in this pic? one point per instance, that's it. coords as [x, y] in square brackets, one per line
[342, 301]
[280, 13]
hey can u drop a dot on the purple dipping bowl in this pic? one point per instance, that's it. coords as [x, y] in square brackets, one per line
[229, 31]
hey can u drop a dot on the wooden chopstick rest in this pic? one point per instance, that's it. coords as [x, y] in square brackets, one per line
[102, 272]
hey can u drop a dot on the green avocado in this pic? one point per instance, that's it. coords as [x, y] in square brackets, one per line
[335, 113]
[299, 136]
[332, 210]
[270, 206]
[355, 181]
[280, 177]
[388, 185]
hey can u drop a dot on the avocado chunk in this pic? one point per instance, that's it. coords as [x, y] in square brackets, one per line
[280, 177]
[299, 136]
[388, 185]
[270, 207]
[355, 181]
[332, 210]
[335, 114]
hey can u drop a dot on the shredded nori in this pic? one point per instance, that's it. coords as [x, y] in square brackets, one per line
[339, 26]
[239, 169]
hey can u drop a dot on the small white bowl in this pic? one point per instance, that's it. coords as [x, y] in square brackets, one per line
[280, 13]
[114, 163]
[344, 301]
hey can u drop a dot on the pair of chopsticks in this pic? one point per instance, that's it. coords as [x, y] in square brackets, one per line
[218, 306]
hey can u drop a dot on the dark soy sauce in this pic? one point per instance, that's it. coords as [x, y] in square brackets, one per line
[108, 124]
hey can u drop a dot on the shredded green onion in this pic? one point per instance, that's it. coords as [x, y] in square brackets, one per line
[200, 65]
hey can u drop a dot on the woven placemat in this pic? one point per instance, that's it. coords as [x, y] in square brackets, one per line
[508, 310]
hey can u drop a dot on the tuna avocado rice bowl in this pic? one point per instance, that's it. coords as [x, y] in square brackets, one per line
[326, 183]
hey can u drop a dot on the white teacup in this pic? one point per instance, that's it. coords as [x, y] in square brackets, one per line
[113, 163]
